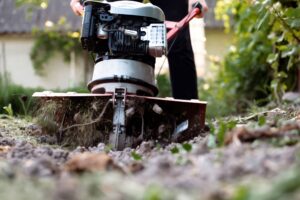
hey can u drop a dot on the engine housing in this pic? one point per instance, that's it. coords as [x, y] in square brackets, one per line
[126, 37]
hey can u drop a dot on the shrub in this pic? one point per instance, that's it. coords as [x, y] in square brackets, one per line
[20, 97]
[264, 58]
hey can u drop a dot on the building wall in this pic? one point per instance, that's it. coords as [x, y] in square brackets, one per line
[217, 43]
[59, 74]
[15, 58]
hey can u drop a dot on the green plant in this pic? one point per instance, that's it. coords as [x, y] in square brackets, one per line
[164, 85]
[263, 61]
[8, 109]
[32, 4]
[35, 3]
[17, 96]
[136, 156]
[20, 97]
[187, 147]
[49, 42]
[55, 37]
[218, 132]
[175, 150]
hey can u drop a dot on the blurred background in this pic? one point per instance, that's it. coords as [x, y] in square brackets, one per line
[246, 52]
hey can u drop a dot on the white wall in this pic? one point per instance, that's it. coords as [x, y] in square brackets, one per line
[58, 74]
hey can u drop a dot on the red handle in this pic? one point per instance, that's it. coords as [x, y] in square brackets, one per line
[183, 23]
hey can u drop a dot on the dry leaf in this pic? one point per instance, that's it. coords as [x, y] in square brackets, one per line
[4, 149]
[90, 162]
[243, 134]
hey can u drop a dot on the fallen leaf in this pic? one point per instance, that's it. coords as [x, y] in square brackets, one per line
[135, 167]
[91, 162]
[243, 134]
[4, 149]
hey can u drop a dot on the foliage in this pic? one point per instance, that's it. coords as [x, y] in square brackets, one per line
[218, 132]
[32, 4]
[187, 147]
[35, 3]
[20, 98]
[136, 156]
[55, 37]
[262, 63]
[215, 92]
[175, 150]
[50, 41]
[164, 85]
[285, 186]
[8, 109]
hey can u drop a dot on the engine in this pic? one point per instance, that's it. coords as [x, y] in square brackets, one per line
[126, 36]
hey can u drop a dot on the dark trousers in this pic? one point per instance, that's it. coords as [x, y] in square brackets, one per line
[181, 57]
[182, 67]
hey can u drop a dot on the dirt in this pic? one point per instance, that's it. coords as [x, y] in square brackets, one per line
[255, 162]
[76, 121]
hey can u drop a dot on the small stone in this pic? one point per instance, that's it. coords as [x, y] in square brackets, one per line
[291, 96]
[161, 129]
[145, 147]
[60, 155]
[136, 167]
[33, 127]
[273, 114]
[7, 141]
[41, 167]
[130, 112]
[79, 149]
[157, 109]
[77, 117]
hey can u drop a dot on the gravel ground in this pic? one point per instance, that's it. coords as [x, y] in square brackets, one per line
[32, 166]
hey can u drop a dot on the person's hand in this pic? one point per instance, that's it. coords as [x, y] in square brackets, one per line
[204, 6]
[76, 7]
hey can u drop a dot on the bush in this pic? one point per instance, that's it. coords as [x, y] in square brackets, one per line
[20, 97]
[264, 58]
[164, 85]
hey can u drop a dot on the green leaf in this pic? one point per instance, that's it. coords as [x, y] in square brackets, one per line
[241, 193]
[264, 21]
[290, 51]
[136, 156]
[295, 23]
[212, 128]
[293, 12]
[281, 75]
[8, 109]
[175, 150]
[186, 146]
[272, 58]
[108, 148]
[281, 37]
[221, 134]
[291, 62]
[231, 125]
[274, 83]
[211, 142]
[275, 66]
[261, 120]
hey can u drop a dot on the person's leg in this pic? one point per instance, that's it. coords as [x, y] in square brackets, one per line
[181, 57]
[182, 67]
